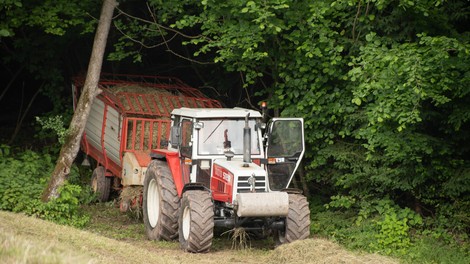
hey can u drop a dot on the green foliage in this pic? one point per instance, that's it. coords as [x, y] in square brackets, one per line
[340, 226]
[341, 201]
[393, 235]
[56, 124]
[450, 225]
[65, 209]
[4, 150]
[389, 226]
[394, 230]
[370, 236]
[22, 180]
[54, 17]
[426, 249]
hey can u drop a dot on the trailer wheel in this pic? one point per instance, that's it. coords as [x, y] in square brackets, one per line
[160, 202]
[297, 222]
[196, 221]
[100, 184]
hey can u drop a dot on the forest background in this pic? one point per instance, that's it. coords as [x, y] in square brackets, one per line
[383, 86]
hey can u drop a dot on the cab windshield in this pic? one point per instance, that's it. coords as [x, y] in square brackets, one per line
[220, 135]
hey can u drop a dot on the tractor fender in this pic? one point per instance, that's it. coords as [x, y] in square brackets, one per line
[262, 204]
[195, 186]
[157, 156]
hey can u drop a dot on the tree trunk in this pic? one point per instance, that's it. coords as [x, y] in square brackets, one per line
[71, 146]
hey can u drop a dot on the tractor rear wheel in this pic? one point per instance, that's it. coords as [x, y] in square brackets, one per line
[297, 222]
[100, 184]
[160, 202]
[196, 221]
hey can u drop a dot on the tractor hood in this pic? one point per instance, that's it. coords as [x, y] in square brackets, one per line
[239, 168]
[230, 177]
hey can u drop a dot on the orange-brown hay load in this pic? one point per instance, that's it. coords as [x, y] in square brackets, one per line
[135, 97]
[135, 100]
[323, 251]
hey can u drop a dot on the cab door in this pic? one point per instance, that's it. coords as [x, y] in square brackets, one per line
[284, 150]
[186, 149]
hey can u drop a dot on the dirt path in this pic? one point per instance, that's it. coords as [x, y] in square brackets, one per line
[29, 240]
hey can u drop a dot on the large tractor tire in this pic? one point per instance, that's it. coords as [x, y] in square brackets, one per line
[100, 184]
[160, 203]
[297, 222]
[196, 221]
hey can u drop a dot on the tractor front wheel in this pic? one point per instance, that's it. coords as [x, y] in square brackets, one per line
[160, 202]
[297, 222]
[196, 221]
[100, 184]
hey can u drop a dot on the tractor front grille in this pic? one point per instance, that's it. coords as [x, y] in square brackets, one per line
[243, 186]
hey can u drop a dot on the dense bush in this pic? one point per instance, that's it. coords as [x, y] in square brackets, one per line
[23, 178]
[384, 227]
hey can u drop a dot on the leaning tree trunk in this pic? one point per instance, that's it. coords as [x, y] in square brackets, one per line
[69, 150]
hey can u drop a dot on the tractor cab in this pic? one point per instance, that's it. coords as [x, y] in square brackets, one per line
[204, 137]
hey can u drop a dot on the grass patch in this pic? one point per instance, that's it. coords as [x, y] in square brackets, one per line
[108, 221]
[430, 250]
[26, 249]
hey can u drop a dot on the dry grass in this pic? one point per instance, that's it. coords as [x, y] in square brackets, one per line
[322, 251]
[240, 238]
[24, 237]
[29, 240]
[25, 249]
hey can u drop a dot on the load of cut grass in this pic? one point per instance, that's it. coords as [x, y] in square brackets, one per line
[137, 89]
[137, 98]
[130, 195]
[322, 251]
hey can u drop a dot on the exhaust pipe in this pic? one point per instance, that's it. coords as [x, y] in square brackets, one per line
[246, 143]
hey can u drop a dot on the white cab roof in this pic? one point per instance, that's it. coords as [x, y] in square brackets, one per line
[215, 112]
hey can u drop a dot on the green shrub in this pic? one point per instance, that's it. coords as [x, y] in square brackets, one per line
[374, 226]
[22, 180]
[393, 234]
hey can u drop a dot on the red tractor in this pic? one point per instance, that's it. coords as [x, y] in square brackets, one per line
[220, 170]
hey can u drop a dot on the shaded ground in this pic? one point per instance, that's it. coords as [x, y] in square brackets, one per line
[116, 238]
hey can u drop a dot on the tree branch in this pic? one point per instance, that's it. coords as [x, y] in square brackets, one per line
[10, 83]
[165, 41]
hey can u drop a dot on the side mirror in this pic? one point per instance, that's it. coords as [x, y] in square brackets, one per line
[175, 136]
[198, 125]
[260, 125]
[164, 143]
